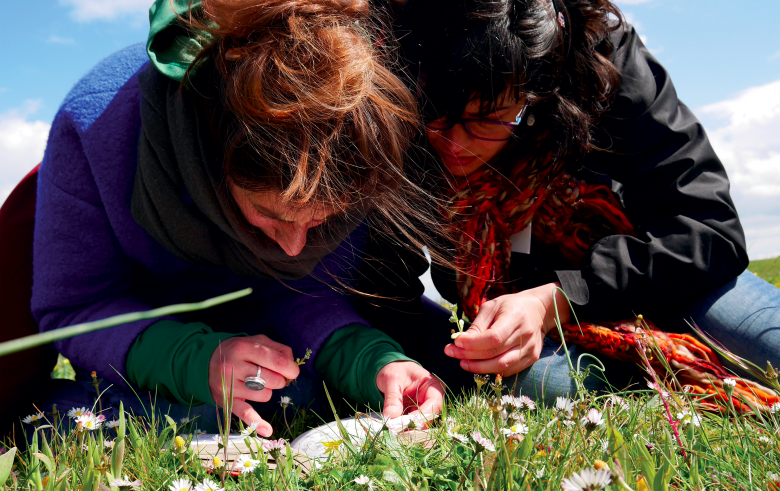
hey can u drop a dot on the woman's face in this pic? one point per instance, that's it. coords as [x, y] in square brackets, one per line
[463, 154]
[285, 225]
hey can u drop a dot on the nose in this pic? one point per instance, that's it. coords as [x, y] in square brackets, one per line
[456, 139]
[293, 239]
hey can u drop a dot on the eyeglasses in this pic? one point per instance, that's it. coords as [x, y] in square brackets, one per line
[481, 129]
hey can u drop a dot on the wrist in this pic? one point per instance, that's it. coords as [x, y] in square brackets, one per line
[551, 297]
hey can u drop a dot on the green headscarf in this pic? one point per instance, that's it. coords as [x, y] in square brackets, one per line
[171, 46]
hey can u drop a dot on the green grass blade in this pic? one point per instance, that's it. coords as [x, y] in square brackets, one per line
[28, 342]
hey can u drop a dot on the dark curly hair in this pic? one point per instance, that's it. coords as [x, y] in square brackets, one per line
[555, 53]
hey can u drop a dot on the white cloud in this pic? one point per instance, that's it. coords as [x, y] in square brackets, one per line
[745, 132]
[87, 10]
[774, 56]
[60, 40]
[22, 143]
[748, 142]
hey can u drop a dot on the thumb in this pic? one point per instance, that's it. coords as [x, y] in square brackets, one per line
[394, 405]
[248, 415]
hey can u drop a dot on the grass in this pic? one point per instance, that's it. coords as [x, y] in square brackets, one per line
[768, 269]
[631, 436]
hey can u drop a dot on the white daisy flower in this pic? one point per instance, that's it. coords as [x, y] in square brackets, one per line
[773, 477]
[218, 440]
[409, 421]
[587, 480]
[483, 442]
[108, 444]
[245, 464]
[617, 401]
[250, 429]
[457, 436]
[775, 408]
[181, 485]
[208, 485]
[604, 445]
[272, 446]
[112, 424]
[527, 402]
[364, 481]
[765, 439]
[515, 402]
[89, 421]
[540, 473]
[592, 419]
[687, 417]
[285, 401]
[77, 411]
[33, 419]
[564, 407]
[518, 429]
[125, 484]
[729, 382]
[517, 417]
[568, 423]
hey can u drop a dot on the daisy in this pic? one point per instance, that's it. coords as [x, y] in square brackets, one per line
[246, 464]
[184, 421]
[409, 421]
[482, 442]
[218, 440]
[112, 424]
[208, 485]
[274, 446]
[729, 382]
[457, 437]
[619, 402]
[765, 439]
[686, 417]
[773, 477]
[214, 464]
[587, 480]
[249, 430]
[89, 421]
[527, 402]
[775, 408]
[285, 401]
[125, 484]
[181, 485]
[33, 419]
[540, 473]
[364, 480]
[517, 417]
[604, 445]
[564, 406]
[518, 429]
[77, 411]
[568, 423]
[108, 444]
[592, 419]
[515, 402]
[179, 445]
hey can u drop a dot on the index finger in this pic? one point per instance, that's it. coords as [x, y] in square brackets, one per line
[489, 339]
[266, 357]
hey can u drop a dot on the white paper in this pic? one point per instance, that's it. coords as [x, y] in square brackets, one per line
[521, 241]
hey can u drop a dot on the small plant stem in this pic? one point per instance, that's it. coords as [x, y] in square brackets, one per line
[640, 344]
[284, 415]
[468, 468]
[184, 466]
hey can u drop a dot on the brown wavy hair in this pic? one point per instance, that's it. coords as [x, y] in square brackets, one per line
[313, 108]
[466, 50]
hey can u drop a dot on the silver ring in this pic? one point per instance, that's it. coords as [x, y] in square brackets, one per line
[255, 383]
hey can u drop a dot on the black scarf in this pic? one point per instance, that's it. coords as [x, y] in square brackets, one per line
[181, 198]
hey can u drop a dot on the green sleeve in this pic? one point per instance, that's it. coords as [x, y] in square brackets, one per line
[351, 358]
[174, 358]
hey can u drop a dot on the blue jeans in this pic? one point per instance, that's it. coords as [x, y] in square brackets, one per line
[743, 315]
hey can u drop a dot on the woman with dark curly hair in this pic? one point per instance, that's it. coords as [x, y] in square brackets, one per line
[572, 164]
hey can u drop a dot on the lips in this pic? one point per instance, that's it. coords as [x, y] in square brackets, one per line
[458, 160]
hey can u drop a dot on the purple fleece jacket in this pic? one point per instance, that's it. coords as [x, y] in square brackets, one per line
[91, 260]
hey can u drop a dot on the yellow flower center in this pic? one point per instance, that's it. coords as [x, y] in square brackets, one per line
[247, 464]
[217, 462]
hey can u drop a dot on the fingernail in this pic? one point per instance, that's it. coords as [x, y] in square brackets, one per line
[448, 350]
[464, 364]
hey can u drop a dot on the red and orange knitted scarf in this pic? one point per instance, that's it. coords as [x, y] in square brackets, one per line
[488, 207]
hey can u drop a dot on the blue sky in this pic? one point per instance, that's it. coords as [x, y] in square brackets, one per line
[724, 58]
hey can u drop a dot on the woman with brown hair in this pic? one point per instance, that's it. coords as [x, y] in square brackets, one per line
[256, 165]
[571, 164]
